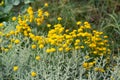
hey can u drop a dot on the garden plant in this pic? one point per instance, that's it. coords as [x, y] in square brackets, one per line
[60, 40]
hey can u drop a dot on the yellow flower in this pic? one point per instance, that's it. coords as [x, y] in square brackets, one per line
[40, 12]
[101, 43]
[99, 69]
[96, 69]
[14, 18]
[92, 45]
[46, 14]
[48, 25]
[33, 46]
[41, 46]
[68, 36]
[2, 2]
[60, 49]
[86, 23]
[77, 40]
[6, 50]
[46, 4]
[48, 51]
[77, 47]
[15, 68]
[1, 24]
[85, 64]
[37, 58]
[87, 57]
[53, 49]
[9, 46]
[12, 32]
[39, 20]
[80, 30]
[30, 10]
[87, 26]
[17, 41]
[59, 18]
[67, 49]
[91, 64]
[25, 33]
[104, 49]
[82, 47]
[95, 52]
[105, 36]
[66, 30]
[105, 41]
[7, 35]
[33, 74]
[78, 23]
[65, 45]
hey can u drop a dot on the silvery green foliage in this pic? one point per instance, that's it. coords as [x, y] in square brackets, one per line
[116, 70]
[52, 66]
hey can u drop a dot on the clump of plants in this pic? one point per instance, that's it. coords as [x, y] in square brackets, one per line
[32, 47]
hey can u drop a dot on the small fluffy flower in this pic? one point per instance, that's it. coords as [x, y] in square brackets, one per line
[6, 50]
[59, 18]
[14, 18]
[46, 4]
[1, 24]
[33, 74]
[15, 68]
[48, 25]
[48, 51]
[61, 49]
[78, 23]
[105, 36]
[41, 46]
[46, 14]
[17, 41]
[85, 64]
[33, 46]
[37, 57]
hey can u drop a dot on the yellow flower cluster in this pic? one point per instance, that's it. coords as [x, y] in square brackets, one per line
[31, 14]
[83, 38]
[23, 28]
[58, 38]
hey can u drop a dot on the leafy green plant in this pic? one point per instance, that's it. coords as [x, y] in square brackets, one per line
[8, 7]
